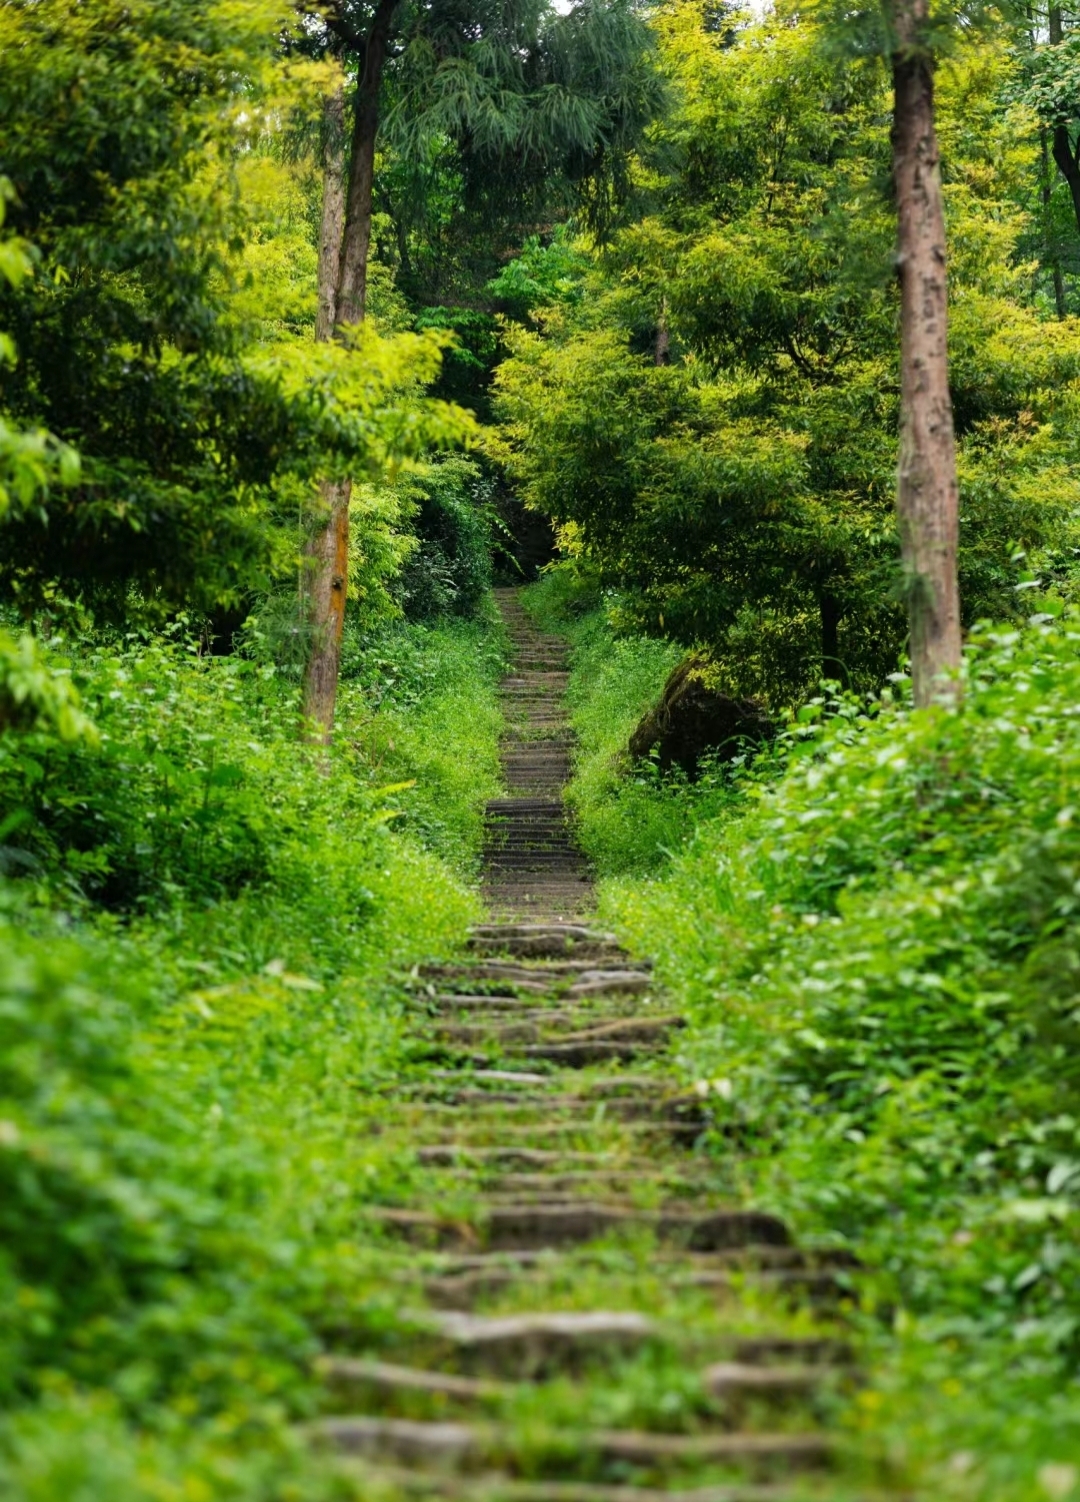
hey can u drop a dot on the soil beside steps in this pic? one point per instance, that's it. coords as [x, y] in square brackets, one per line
[587, 1311]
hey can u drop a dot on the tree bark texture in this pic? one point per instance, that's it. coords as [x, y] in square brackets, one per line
[1051, 249]
[326, 551]
[927, 491]
[1066, 155]
[829, 608]
[344, 248]
[662, 345]
[356, 246]
[1067, 159]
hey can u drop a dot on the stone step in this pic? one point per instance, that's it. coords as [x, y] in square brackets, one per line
[530, 1347]
[490, 1077]
[513, 1010]
[348, 1374]
[635, 1093]
[552, 750]
[685, 1130]
[553, 973]
[580, 1106]
[590, 1051]
[570, 1026]
[514, 835]
[600, 1181]
[532, 862]
[737, 1382]
[506, 1227]
[572, 933]
[687, 1267]
[501, 1487]
[459, 1001]
[449, 1445]
[529, 1028]
[464, 1289]
[557, 979]
[446, 1155]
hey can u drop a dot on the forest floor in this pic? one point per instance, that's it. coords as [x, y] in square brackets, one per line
[588, 1311]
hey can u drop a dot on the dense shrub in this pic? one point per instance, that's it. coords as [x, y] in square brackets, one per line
[449, 571]
[198, 952]
[630, 817]
[880, 955]
[194, 785]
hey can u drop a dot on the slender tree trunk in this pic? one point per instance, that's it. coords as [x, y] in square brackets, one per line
[831, 666]
[344, 247]
[326, 552]
[1051, 249]
[1068, 164]
[1066, 156]
[356, 247]
[927, 492]
[662, 346]
[332, 226]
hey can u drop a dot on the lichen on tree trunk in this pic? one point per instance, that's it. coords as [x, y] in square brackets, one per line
[927, 491]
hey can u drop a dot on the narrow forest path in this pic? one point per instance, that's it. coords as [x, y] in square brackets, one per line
[532, 866]
[586, 1311]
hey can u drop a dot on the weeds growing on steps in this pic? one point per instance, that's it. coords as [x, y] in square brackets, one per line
[629, 818]
[196, 934]
[879, 946]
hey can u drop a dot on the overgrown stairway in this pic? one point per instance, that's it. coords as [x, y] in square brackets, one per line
[587, 1311]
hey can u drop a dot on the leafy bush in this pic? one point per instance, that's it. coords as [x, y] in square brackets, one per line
[449, 572]
[195, 787]
[630, 816]
[880, 956]
[183, 1083]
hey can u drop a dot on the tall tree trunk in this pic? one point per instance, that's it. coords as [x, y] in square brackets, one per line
[1066, 156]
[356, 247]
[829, 608]
[326, 552]
[1068, 164]
[662, 345]
[927, 492]
[344, 247]
[1051, 249]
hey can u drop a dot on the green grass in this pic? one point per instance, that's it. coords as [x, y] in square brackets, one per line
[876, 936]
[630, 817]
[878, 955]
[422, 708]
[199, 1011]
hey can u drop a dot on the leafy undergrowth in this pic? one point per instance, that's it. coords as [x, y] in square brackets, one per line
[199, 934]
[630, 817]
[880, 953]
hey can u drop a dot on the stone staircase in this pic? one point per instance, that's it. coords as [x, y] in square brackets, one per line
[587, 1310]
[532, 865]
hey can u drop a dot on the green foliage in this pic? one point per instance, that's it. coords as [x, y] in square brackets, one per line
[421, 705]
[879, 955]
[630, 817]
[167, 329]
[449, 571]
[185, 1087]
[178, 797]
[530, 99]
[541, 275]
[497, 118]
[742, 493]
[34, 697]
[28, 460]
